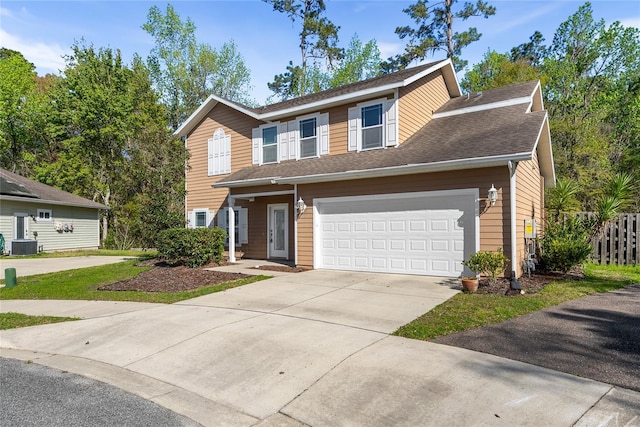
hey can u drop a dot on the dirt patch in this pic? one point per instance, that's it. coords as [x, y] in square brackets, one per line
[530, 285]
[163, 278]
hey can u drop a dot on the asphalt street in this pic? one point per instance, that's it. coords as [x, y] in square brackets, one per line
[595, 337]
[35, 395]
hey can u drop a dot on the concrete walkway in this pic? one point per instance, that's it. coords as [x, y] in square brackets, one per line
[32, 266]
[312, 349]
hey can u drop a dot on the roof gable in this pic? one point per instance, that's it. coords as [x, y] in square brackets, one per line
[340, 95]
[17, 187]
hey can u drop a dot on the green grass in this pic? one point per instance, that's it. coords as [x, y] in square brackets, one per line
[82, 284]
[91, 252]
[17, 320]
[467, 311]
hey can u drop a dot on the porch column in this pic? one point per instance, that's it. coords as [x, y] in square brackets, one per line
[232, 230]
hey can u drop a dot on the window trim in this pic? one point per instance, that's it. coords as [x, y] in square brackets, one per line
[219, 138]
[44, 218]
[381, 125]
[389, 124]
[193, 219]
[299, 121]
[262, 145]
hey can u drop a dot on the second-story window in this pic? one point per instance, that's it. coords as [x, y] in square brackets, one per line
[372, 126]
[308, 138]
[270, 144]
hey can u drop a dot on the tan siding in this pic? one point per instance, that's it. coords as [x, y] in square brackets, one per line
[492, 233]
[418, 101]
[200, 194]
[529, 202]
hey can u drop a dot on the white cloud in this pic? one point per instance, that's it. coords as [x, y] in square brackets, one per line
[5, 12]
[525, 18]
[46, 57]
[388, 50]
[631, 22]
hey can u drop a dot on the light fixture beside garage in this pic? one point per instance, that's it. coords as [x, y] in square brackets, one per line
[493, 195]
[300, 206]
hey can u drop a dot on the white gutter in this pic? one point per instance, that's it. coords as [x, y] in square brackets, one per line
[512, 216]
[484, 107]
[383, 172]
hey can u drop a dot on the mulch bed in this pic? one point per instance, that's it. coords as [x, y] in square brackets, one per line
[530, 285]
[164, 278]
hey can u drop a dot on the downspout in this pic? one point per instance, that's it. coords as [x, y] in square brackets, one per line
[231, 215]
[295, 225]
[186, 164]
[515, 285]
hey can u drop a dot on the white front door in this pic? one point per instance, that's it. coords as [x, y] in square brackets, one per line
[278, 231]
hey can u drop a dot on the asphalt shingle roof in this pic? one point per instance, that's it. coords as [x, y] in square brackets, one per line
[15, 185]
[482, 134]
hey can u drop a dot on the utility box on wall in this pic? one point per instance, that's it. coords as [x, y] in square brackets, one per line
[530, 229]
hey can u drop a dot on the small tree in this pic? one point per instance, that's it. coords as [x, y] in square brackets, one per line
[490, 264]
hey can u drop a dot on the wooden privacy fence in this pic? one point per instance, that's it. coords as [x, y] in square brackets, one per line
[619, 241]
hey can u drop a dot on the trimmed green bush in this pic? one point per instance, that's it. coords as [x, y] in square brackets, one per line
[193, 247]
[565, 244]
[490, 264]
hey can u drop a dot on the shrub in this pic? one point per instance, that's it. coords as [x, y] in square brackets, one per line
[488, 263]
[565, 244]
[191, 247]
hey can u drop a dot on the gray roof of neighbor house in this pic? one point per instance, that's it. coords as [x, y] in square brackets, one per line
[490, 132]
[17, 187]
[339, 95]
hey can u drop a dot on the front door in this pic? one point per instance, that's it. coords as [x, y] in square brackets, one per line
[278, 231]
[21, 226]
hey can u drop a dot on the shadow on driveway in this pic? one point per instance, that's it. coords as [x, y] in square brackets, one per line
[595, 337]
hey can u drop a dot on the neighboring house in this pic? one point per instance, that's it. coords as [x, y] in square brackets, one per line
[35, 215]
[390, 174]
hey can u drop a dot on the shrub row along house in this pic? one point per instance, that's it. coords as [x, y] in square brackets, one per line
[35, 216]
[390, 174]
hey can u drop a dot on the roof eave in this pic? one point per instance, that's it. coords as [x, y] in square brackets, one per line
[52, 202]
[409, 169]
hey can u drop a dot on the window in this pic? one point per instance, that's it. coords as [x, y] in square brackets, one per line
[270, 144]
[371, 126]
[241, 224]
[219, 153]
[308, 138]
[44, 215]
[200, 218]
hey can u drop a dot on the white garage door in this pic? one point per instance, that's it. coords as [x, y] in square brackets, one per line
[412, 233]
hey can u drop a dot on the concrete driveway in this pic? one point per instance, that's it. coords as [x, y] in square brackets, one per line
[308, 348]
[32, 266]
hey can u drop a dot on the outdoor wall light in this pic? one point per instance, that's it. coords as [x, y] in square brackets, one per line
[300, 206]
[493, 195]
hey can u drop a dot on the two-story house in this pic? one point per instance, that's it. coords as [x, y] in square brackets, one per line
[391, 174]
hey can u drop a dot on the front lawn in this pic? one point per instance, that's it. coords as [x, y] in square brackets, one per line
[17, 320]
[467, 311]
[91, 252]
[83, 284]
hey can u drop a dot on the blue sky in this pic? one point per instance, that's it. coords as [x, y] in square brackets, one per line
[44, 30]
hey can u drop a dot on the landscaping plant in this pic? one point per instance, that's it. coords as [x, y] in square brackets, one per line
[192, 247]
[489, 263]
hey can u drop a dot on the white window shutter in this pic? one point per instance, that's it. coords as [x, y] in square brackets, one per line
[222, 218]
[283, 142]
[256, 140]
[391, 120]
[323, 126]
[211, 156]
[227, 154]
[244, 226]
[210, 217]
[354, 118]
[191, 222]
[294, 133]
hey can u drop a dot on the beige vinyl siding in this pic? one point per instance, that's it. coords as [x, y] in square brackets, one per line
[529, 202]
[492, 233]
[85, 221]
[200, 194]
[418, 101]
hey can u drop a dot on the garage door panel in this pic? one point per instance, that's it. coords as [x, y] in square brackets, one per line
[416, 236]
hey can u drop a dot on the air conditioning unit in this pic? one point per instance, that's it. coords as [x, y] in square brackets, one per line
[24, 247]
